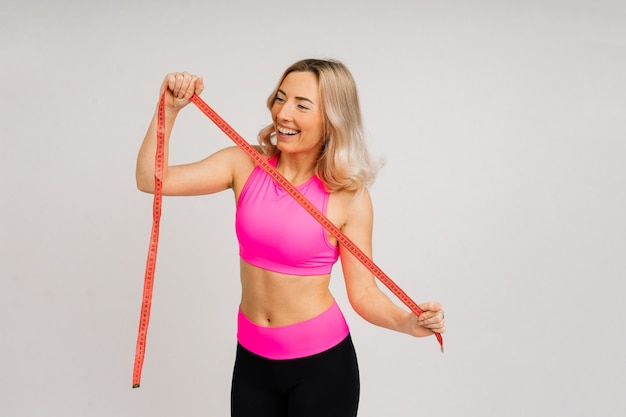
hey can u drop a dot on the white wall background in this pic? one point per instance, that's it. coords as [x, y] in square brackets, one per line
[504, 193]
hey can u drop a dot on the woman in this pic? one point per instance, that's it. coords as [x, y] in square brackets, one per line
[294, 352]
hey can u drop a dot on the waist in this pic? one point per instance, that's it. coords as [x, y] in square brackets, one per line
[298, 340]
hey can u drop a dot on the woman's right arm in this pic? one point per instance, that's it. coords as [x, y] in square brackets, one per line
[212, 174]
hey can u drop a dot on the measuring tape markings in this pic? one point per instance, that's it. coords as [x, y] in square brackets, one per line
[144, 318]
[285, 184]
[314, 211]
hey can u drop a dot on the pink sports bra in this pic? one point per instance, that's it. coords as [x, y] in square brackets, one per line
[276, 233]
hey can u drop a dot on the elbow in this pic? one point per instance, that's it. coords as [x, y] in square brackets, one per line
[145, 186]
[358, 306]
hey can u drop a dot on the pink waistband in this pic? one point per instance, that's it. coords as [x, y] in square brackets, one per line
[297, 340]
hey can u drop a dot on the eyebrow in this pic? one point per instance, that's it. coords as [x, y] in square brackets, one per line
[297, 98]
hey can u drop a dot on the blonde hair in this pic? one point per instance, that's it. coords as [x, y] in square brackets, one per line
[344, 162]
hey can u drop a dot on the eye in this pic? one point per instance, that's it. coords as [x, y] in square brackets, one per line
[303, 107]
[278, 99]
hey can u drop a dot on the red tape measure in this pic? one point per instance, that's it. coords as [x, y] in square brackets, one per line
[283, 182]
[144, 318]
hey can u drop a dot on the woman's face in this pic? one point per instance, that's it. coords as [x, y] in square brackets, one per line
[297, 114]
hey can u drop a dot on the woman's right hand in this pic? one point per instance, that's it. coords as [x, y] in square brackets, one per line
[179, 87]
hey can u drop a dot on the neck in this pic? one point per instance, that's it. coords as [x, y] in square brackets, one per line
[298, 169]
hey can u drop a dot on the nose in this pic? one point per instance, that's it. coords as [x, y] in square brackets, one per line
[285, 112]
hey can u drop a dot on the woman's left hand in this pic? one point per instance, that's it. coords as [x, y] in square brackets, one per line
[432, 318]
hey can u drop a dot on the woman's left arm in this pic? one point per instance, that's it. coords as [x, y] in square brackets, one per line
[363, 292]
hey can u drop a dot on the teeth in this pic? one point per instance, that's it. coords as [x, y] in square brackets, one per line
[286, 131]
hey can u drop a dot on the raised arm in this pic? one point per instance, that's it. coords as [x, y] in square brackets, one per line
[363, 292]
[212, 174]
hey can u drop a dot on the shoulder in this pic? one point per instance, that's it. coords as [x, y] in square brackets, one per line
[241, 164]
[350, 208]
[353, 200]
[234, 157]
[238, 155]
[234, 153]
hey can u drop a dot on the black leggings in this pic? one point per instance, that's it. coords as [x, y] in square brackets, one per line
[322, 385]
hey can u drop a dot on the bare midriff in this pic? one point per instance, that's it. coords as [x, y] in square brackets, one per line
[272, 299]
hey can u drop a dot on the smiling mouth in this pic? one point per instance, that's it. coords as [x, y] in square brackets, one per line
[286, 131]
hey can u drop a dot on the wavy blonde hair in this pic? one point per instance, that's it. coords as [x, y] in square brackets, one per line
[344, 162]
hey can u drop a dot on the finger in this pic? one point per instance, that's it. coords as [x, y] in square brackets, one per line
[174, 82]
[435, 324]
[179, 83]
[429, 321]
[196, 86]
[183, 85]
[170, 82]
[432, 318]
[441, 329]
[431, 306]
[189, 86]
[199, 85]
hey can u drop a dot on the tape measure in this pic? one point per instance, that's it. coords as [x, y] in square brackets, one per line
[144, 317]
[276, 176]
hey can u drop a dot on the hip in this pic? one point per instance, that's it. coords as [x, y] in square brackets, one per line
[297, 340]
